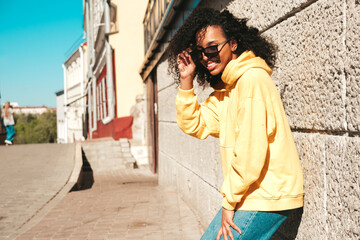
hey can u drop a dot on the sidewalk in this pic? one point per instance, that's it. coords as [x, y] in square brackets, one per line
[32, 177]
[123, 203]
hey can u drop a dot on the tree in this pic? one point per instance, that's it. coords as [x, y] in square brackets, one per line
[35, 128]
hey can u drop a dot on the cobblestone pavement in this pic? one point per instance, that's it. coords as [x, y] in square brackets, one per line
[123, 203]
[30, 177]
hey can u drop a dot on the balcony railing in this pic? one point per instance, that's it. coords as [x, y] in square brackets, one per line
[154, 14]
[98, 10]
[162, 18]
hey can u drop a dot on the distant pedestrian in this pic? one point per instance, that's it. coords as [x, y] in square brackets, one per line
[8, 120]
[262, 175]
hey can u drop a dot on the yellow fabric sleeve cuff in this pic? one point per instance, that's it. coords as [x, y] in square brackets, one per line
[227, 205]
[186, 94]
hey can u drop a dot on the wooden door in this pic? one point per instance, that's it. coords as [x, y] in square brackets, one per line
[152, 121]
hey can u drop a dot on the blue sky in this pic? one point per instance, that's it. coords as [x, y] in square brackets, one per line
[35, 39]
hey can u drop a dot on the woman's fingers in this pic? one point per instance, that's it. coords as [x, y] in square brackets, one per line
[187, 57]
[233, 225]
[224, 233]
[229, 232]
[184, 58]
[219, 234]
[181, 59]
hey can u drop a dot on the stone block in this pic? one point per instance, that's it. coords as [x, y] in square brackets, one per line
[167, 170]
[350, 202]
[164, 80]
[209, 203]
[310, 71]
[261, 14]
[311, 148]
[174, 143]
[202, 92]
[194, 154]
[202, 159]
[166, 104]
[187, 185]
[335, 153]
[352, 64]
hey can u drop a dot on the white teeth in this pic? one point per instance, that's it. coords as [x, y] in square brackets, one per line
[211, 64]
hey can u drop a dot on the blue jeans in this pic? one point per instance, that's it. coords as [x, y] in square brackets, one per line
[255, 225]
[10, 132]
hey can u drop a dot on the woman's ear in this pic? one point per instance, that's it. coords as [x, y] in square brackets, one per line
[233, 45]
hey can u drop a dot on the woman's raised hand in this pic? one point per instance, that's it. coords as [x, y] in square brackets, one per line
[186, 68]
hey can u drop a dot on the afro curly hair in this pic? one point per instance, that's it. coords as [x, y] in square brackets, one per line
[248, 38]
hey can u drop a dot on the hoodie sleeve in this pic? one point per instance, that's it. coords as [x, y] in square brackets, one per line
[199, 121]
[251, 144]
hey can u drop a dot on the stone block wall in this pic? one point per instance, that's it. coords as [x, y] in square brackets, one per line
[318, 77]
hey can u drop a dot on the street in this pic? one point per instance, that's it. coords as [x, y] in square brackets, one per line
[120, 203]
[31, 175]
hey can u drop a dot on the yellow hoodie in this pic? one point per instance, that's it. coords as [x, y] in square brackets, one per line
[260, 163]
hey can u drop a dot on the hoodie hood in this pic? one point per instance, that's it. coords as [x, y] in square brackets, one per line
[237, 67]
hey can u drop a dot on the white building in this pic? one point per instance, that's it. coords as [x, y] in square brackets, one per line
[60, 118]
[74, 102]
[31, 110]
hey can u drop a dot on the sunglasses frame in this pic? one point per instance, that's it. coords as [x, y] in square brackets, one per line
[197, 53]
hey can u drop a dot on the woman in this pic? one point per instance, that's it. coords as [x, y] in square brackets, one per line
[262, 176]
[9, 123]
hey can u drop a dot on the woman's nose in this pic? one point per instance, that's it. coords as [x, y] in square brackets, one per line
[204, 57]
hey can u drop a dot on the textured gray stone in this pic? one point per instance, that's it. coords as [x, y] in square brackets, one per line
[191, 153]
[335, 159]
[163, 78]
[311, 148]
[188, 186]
[309, 72]
[261, 14]
[352, 64]
[167, 170]
[209, 202]
[318, 78]
[350, 217]
[174, 143]
[166, 104]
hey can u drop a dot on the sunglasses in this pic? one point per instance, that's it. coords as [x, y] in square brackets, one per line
[209, 52]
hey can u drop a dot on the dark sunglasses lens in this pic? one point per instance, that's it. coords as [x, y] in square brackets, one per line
[211, 52]
[211, 49]
[196, 55]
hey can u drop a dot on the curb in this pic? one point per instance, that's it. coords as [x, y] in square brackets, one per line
[72, 180]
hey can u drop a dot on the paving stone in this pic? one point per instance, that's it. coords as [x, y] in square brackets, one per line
[31, 175]
[122, 204]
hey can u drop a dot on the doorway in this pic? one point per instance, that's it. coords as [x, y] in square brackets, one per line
[152, 121]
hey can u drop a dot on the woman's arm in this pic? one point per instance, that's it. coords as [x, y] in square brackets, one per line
[199, 121]
[194, 119]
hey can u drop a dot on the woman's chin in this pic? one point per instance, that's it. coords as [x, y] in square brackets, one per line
[215, 72]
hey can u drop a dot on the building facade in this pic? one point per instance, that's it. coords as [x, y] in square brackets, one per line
[32, 110]
[317, 75]
[60, 118]
[115, 48]
[74, 94]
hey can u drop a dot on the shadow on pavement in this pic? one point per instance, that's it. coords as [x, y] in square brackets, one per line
[86, 176]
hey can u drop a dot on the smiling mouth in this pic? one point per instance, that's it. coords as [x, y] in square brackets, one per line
[211, 66]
